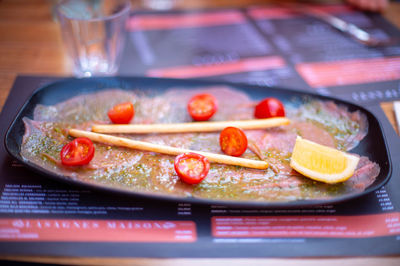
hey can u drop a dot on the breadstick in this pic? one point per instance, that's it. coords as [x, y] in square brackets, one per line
[191, 127]
[147, 146]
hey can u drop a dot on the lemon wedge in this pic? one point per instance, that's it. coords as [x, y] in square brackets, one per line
[322, 163]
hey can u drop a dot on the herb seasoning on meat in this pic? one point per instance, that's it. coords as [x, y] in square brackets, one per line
[321, 122]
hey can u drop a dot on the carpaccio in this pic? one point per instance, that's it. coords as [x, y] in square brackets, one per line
[148, 172]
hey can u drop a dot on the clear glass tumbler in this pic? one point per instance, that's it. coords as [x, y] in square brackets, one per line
[94, 34]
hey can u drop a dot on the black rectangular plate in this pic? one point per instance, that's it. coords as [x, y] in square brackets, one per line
[374, 145]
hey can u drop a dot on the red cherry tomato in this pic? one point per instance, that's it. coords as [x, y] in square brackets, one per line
[80, 151]
[121, 113]
[269, 107]
[191, 168]
[233, 141]
[202, 107]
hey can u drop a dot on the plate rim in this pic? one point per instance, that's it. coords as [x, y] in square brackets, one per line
[162, 197]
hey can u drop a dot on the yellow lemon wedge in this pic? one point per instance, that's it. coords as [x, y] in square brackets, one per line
[322, 163]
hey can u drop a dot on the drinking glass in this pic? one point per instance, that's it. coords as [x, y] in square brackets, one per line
[94, 34]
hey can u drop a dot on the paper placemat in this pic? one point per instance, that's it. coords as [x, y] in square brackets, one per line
[39, 216]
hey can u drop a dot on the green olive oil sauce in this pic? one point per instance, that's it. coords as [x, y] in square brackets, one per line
[150, 172]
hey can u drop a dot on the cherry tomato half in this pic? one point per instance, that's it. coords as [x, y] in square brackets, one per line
[269, 107]
[191, 168]
[233, 141]
[121, 113]
[80, 151]
[202, 107]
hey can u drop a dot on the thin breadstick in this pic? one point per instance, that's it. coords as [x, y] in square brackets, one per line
[147, 146]
[192, 127]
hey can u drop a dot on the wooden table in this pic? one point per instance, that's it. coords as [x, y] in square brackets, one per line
[30, 43]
